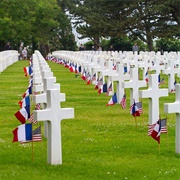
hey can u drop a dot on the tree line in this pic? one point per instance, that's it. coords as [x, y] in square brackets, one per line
[145, 20]
[46, 25]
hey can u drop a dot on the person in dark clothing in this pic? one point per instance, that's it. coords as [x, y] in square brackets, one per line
[111, 48]
[8, 46]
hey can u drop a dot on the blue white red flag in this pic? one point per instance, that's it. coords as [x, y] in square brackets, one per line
[103, 89]
[84, 76]
[146, 77]
[28, 71]
[112, 101]
[155, 130]
[174, 87]
[155, 134]
[134, 110]
[24, 102]
[28, 92]
[22, 133]
[23, 114]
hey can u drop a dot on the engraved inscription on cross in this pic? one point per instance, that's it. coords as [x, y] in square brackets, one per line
[54, 114]
[153, 93]
[120, 77]
[134, 84]
[175, 108]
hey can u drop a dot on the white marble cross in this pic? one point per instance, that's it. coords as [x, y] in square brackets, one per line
[108, 71]
[54, 114]
[171, 71]
[134, 84]
[48, 83]
[175, 108]
[120, 77]
[153, 93]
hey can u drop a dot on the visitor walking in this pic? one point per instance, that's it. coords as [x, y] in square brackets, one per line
[20, 52]
[24, 53]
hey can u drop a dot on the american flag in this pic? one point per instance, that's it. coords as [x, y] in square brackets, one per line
[138, 105]
[150, 128]
[94, 77]
[37, 135]
[100, 82]
[31, 119]
[38, 106]
[162, 126]
[123, 101]
[109, 89]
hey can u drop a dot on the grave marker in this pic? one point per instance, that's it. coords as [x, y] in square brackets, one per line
[175, 108]
[54, 114]
[153, 93]
[134, 84]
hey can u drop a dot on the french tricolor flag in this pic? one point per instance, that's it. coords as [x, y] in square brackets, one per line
[28, 92]
[23, 114]
[24, 102]
[112, 101]
[28, 70]
[22, 133]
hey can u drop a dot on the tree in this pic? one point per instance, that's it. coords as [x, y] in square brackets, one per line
[139, 19]
[34, 22]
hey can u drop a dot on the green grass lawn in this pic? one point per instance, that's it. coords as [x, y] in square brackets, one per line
[100, 142]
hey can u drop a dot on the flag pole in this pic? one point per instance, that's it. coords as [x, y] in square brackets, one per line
[167, 133]
[142, 112]
[32, 146]
[135, 121]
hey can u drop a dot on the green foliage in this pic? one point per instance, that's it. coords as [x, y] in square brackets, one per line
[168, 44]
[100, 142]
[140, 19]
[34, 22]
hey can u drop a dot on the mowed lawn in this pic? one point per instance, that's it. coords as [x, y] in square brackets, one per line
[100, 142]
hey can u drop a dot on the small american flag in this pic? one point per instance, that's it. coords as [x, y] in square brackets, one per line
[38, 106]
[139, 107]
[109, 89]
[162, 126]
[37, 134]
[123, 102]
[150, 128]
[31, 119]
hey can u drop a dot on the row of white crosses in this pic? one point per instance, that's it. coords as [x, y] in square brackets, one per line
[53, 114]
[153, 93]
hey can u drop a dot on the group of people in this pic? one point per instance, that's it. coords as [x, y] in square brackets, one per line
[22, 52]
[111, 48]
